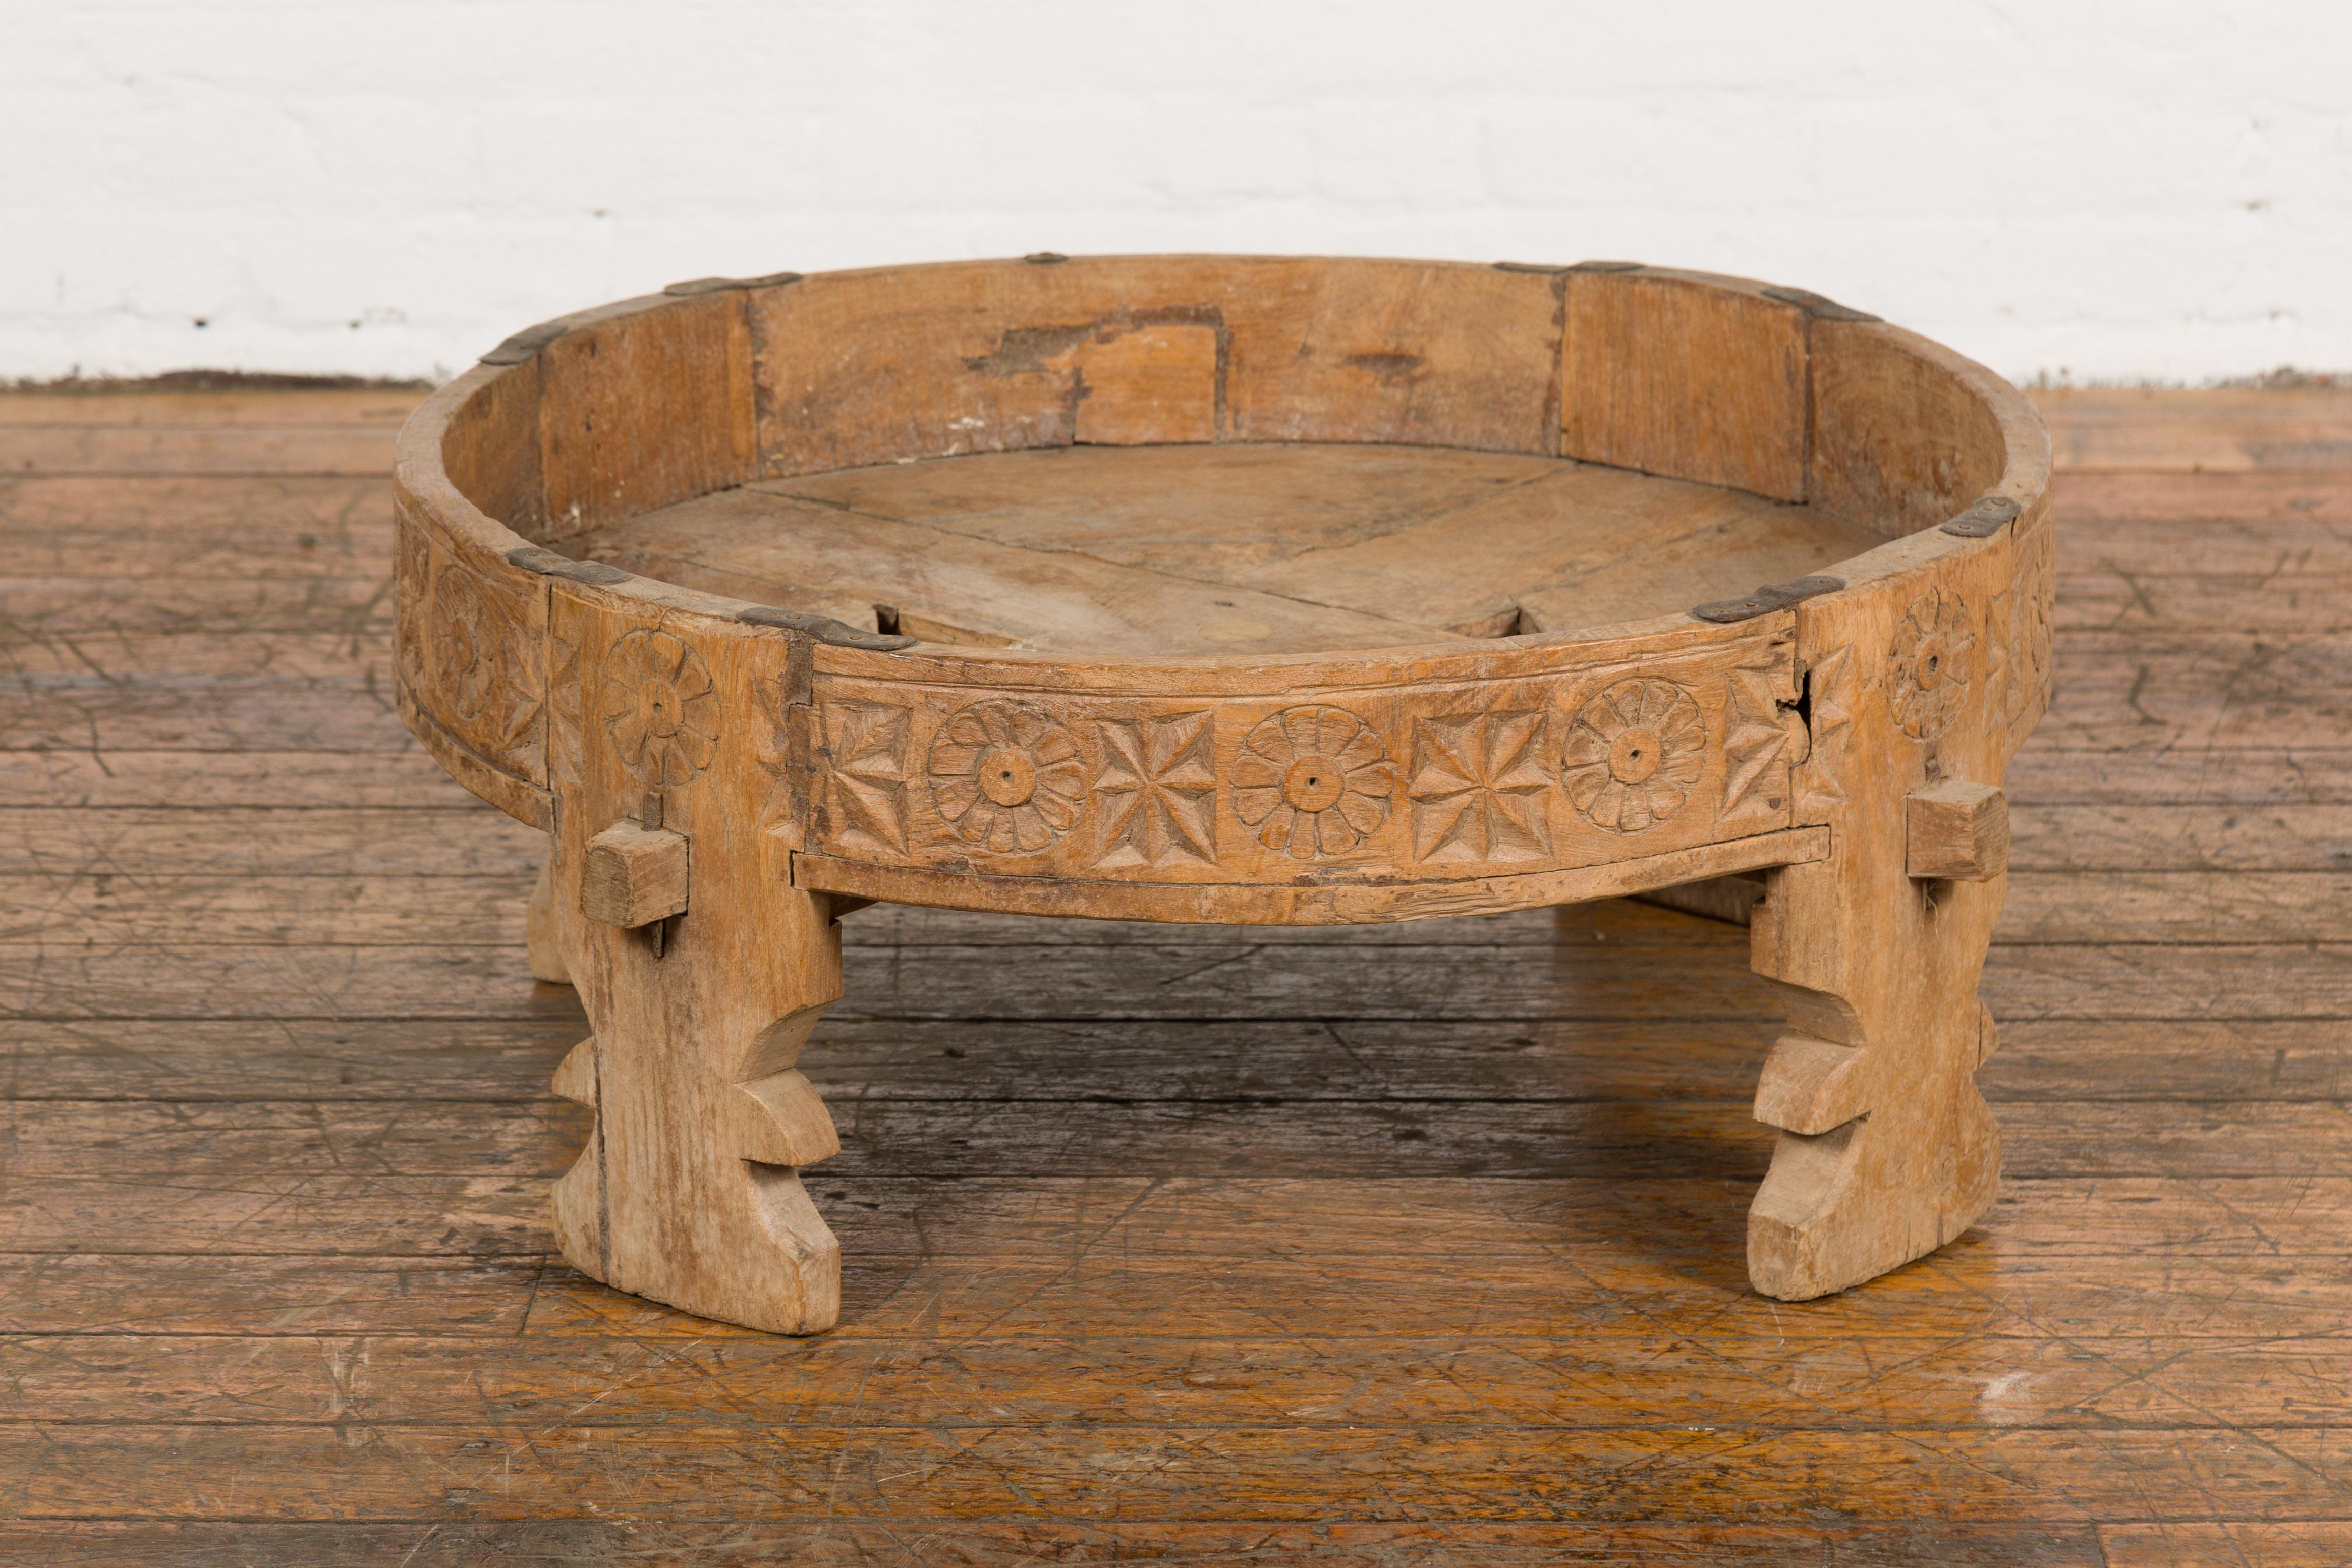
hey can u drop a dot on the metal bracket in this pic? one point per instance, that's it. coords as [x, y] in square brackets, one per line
[1817, 307]
[526, 344]
[824, 629]
[719, 285]
[548, 563]
[1988, 517]
[1771, 597]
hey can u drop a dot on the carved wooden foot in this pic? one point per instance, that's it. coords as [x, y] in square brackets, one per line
[1887, 1148]
[702, 971]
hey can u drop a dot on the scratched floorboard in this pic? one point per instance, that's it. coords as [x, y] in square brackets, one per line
[1414, 1246]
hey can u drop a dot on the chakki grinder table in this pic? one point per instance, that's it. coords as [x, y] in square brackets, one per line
[1227, 589]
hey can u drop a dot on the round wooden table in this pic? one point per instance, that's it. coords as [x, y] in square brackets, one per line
[1228, 589]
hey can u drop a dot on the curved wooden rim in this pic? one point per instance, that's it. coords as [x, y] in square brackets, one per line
[421, 468]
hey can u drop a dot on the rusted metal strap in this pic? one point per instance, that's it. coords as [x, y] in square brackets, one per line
[1771, 597]
[719, 285]
[1817, 307]
[548, 563]
[1988, 517]
[825, 628]
[526, 344]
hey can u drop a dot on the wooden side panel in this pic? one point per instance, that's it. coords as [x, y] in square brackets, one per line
[1899, 443]
[644, 406]
[490, 450]
[1695, 378]
[1416, 354]
[856, 368]
[1610, 759]
[467, 650]
[1158, 384]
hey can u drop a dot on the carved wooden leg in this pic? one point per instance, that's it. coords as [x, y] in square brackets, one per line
[688, 1191]
[702, 971]
[1887, 1148]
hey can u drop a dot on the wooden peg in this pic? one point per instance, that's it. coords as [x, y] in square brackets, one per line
[635, 875]
[1958, 831]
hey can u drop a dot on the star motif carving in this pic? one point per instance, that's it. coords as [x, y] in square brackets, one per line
[865, 788]
[564, 749]
[1477, 787]
[1830, 685]
[1158, 786]
[1754, 738]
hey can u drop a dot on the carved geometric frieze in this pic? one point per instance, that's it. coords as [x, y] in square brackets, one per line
[1156, 790]
[1477, 787]
[2005, 692]
[1633, 755]
[1313, 782]
[2017, 640]
[1006, 776]
[468, 632]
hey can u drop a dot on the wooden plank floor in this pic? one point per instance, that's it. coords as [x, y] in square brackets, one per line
[1418, 1244]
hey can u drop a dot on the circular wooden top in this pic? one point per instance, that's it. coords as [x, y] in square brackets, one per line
[1273, 548]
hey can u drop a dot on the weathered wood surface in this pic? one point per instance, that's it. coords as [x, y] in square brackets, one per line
[277, 1284]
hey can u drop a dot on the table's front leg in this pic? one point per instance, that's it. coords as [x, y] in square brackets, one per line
[702, 970]
[688, 1190]
[1886, 1149]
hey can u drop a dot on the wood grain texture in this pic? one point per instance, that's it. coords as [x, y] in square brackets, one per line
[277, 1291]
[1695, 378]
[865, 367]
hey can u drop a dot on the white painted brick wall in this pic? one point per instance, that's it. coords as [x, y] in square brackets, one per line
[2157, 190]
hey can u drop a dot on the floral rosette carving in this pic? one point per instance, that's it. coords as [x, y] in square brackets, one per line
[1313, 782]
[661, 711]
[1929, 664]
[1633, 753]
[468, 635]
[1006, 776]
